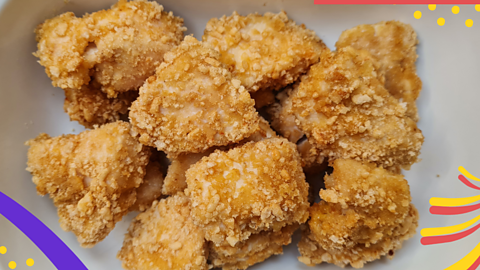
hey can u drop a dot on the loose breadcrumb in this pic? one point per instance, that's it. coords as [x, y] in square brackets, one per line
[393, 44]
[256, 249]
[365, 214]
[346, 112]
[91, 177]
[192, 103]
[164, 237]
[264, 52]
[252, 188]
[90, 106]
[119, 48]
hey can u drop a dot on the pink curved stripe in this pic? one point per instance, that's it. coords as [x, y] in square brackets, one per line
[466, 182]
[475, 264]
[432, 240]
[453, 210]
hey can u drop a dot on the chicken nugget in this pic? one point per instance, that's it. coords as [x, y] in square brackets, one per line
[346, 112]
[89, 106]
[256, 249]
[176, 181]
[393, 44]
[92, 177]
[192, 103]
[365, 214]
[118, 48]
[264, 52]
[256, 187]
[164, 237]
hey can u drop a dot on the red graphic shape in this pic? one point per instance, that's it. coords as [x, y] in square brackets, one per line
[457, 210]
[396, 2]
[466, 182]
[432, 240]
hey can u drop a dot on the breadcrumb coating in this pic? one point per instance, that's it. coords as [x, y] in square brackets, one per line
[151, 187]
[393, 44]
[192, 103]
[164, 237]
[346, 112]
[252, 188]
[92, 177]
[365, 214]
[89, 106]
[176, 181]
[118, 48]
[264, 52]
[256, 249]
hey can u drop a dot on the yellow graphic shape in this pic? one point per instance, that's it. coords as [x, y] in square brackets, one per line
[432, 7]
[469, 23]
[12, 265]
[466, 261]
[436, 201]
[477, 8]
[3, 250]
[455, 9]
[441, 21]
[449, 229]
[30, 262]
[461, 168]
[417, 14]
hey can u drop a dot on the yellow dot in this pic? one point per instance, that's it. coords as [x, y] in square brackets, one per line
[432, 7]
[3, 250]
[477, 8]
[455, 9]
[441, 21]
[469, 23]
[417, 14]
[12, 265]
[30, 262]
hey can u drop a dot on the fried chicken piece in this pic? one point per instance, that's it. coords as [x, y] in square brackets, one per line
[365, 214]
[393, 44]
[151, 187]
[92, 177]
[89, 106]
[176, 181]
[264, 52]
[192, 103]
[252, 188]
[119, 48]
[164, 237]
[347, 113]
[256, 249]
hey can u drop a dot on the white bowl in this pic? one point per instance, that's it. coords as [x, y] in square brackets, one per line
[449, 65]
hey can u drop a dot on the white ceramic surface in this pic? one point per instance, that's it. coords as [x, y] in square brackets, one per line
[449, 65]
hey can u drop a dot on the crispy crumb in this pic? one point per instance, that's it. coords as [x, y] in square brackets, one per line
[91, 177]
[264, 52]
[164, 237]
[252, 188]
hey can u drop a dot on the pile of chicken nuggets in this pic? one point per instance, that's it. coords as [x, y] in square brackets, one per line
[211, 140]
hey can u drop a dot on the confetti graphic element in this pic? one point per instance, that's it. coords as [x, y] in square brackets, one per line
[441, 21]
[49, 243]
[456, 206]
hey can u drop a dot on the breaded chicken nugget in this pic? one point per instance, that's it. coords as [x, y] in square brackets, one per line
[393, 44]
[192, 103]
[252, 188]
[264, 52]
[256, 249]
[347, 113]
[91, 177]
[164, 237]
[89, 106]
[119, 48]
[176, 181]
[365, 214]
[151, 187]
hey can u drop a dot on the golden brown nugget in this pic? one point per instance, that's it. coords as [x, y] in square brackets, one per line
[176, 181]
[393, 44]
[264, 52]
[252, 188]
[164, 237]
[92, 177]
[151, 187]
[257, 248]
[119, 48]
[90, 106]
[365, 214]
[346, 112]
[192, 103]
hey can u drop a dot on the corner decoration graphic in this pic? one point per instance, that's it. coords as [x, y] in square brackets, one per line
[47, 241]
[456, 206]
